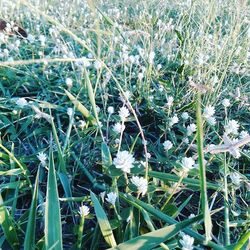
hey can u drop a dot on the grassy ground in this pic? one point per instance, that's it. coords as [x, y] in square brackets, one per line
[121, 118]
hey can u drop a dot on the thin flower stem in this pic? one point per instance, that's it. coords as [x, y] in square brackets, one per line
[226, 202]
[80, 232]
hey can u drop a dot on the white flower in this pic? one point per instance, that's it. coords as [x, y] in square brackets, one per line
[42, 39]
[231, 127]
[236, 178]
[111, 198]
[226, 103]
[186, 242]
[123, 113]
[243, 134]
[170, 101]
[208, 111]
[124, 161]
[70, 112]
[127, 95]
[140, 183]
[82, 124]
[97, 64]
[84, 210]
[42, 158]
[118, 128]
[140, 76]
[187, 163]
[21, 102]
[30, 38]
[167, 145]
[111, 110]
[173, 120]
[69, 82]
[185, 115]
[211, 121]
[191, 129]
[151, 57]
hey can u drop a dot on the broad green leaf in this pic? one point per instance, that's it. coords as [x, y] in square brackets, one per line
[202, 167]
[153, 239]
[8, 227]
[53, 227]
[103, 221]
[157, 213]
[29, 242]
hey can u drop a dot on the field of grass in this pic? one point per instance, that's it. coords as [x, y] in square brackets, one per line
[125, 124]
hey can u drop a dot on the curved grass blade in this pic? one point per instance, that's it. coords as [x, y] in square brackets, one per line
[29, 242]
[53, 227]
[157, 213]
[8, 226]
[242, 241]
[103, 221]
[153, 239]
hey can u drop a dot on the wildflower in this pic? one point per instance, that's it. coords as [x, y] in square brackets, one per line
[126, 96]
[186, 242]
[170, 101]
[167, 145]
[21, 102]
[226, 103]
[185, 115]
[69, 82]
[151, 57]
[140, 76]
[236, 178]
[191, 129]
[187, 163]
[124, 161]
[211, 121]
[42, 158]
[111, 110]
[208, 111]
[70, 112]
[231, 127]
[82, 124]
[243, 134]
[97, 64]
[141, 184]
[173, 120]
[123, 113]
[111, 198]
[148, 155]
[118, 128]
[42, 39]
[84, 210]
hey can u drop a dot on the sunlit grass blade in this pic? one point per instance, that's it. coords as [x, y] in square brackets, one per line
[153, 239]
[243, 240]
[15, 171]
[160, 215]
[29, 242]
[53, 227]
[80, 107]
[8, 227]
[188, 181]
[103, 221]
[202, 167]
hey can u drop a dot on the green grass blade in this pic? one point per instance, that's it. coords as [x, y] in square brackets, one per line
[160, 215]
[202, 167]
[245, 237]
[8, 226]
[53, 227]
[153, 239]
[103, 221]
[175, 178]
[29, 241]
